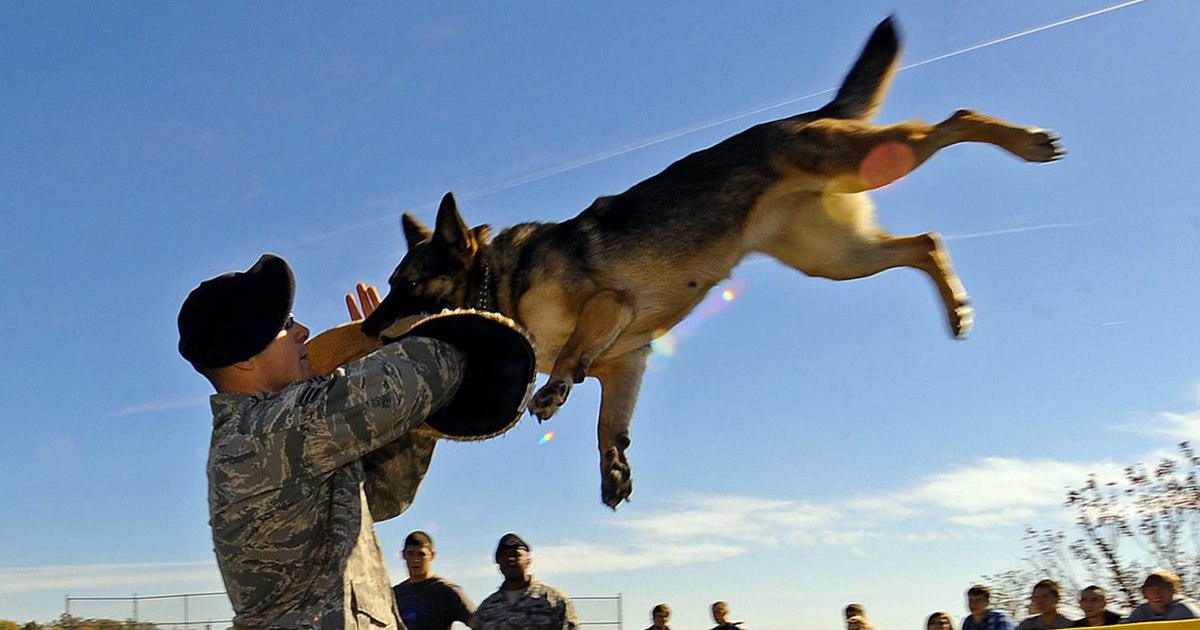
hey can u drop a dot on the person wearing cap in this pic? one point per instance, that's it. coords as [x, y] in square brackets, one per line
[522, 602]
[427, 601]
[1163, 603]
[301, 466]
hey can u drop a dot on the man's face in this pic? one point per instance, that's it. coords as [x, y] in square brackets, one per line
[978, 604]
[1158, 596]
[418, 558]
[1043, 601]
[719, 613]
[285, 360]
[514, 563]
[1092, 602]
[941, 623]
[661, 618]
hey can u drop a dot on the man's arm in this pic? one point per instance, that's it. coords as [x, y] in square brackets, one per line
[371, 402]
[464, 610]
[328, 422]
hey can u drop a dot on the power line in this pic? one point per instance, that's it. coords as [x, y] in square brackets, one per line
[643, 144]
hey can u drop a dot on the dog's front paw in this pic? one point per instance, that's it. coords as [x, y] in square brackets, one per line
[617, 480]
[549, 398]
[1042, 145]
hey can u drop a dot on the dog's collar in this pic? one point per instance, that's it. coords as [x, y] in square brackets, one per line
[483, 298]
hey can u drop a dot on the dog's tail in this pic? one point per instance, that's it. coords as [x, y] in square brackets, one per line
[864, 87]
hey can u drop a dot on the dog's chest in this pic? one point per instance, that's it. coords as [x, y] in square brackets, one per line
[543, 311]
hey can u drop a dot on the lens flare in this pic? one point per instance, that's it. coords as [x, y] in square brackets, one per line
[547, 437]
[666, 342]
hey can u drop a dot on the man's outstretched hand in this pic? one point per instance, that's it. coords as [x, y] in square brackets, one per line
[368, 296]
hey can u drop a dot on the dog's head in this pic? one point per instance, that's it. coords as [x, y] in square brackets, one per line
[435, 274]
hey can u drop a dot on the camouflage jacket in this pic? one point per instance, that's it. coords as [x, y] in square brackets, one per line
[295, 476]
[540, 607]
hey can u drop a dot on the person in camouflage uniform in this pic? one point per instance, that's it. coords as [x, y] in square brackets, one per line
[522, 602]
[300, 466]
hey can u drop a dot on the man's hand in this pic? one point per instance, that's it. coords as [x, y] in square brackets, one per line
[368, 296]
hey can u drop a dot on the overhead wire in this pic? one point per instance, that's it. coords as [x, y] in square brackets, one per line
[643, 144]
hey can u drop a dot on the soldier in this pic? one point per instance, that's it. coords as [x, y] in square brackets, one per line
[522, 602]
[427, 601]
[299, 464]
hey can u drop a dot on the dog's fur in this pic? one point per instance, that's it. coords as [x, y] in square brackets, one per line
[596, 289]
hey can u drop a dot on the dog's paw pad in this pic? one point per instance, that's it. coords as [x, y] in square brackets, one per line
[1044, 146]
[617, 482]
[549, 398]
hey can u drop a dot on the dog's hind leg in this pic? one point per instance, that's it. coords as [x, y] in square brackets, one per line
[849, 156]
[839, 239]
[620, 380]
[600, 322]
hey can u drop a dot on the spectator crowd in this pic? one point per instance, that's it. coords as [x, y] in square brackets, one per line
[429, 602]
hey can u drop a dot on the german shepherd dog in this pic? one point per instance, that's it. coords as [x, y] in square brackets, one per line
[596, 289]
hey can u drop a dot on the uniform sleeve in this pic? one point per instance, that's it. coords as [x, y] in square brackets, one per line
[570, 619]
[367, 404]
[392, 474]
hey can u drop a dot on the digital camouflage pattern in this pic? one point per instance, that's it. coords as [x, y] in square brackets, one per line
[540, 607]
[295, 477]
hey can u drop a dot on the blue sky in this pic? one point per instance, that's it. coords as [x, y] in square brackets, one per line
[810, 443]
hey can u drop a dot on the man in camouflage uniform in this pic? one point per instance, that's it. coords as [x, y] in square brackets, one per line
[299, 465]
[522, 602]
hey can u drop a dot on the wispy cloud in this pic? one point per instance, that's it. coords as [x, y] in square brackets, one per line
[1004, 486]
[84, 577]
[1018, 230]
[969, 502]
[163, 404]
[1174, 425]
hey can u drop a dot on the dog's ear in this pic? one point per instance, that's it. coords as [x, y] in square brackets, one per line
[450, 229]
[481, 233]
[414, 231]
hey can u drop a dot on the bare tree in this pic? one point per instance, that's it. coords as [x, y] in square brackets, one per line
[1124, 528]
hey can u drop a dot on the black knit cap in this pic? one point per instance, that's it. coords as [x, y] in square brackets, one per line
[236, 315]
[511, 541]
